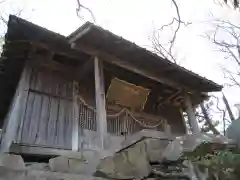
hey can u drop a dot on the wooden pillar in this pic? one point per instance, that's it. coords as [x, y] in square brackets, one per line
[100, 101]
[75, 124]
[191, 115]
[186, 125]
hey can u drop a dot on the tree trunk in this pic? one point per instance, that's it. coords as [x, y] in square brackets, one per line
[228, 108]
[208, 120]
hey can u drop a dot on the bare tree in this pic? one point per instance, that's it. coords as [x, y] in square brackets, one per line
[81, 7]
[226, 38]
[210, 114]
[17, 11]
[234, 3]
[166, 50]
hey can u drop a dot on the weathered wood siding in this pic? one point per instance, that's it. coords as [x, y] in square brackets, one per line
[48, 116]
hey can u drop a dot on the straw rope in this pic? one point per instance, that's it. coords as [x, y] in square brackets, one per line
[124, 111]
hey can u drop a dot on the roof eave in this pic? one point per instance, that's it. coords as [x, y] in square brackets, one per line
[84, 29]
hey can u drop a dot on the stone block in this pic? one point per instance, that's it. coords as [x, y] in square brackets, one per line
[11, 161]
[30, 174]
[142, 135]
[173, 151]
[38, 166]
[130, 163]
[10, 174]
[155, 148]
[71, 165]
[48, 175]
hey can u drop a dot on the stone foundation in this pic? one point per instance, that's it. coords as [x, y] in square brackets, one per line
[142, 158]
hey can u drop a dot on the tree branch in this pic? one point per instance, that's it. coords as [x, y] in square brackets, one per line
[228, 44]
[235, 3]
[178, 26]
[160, 49]
[2, 1]
[167, 50]
[80, 6]
[3, 20]
[231, 77]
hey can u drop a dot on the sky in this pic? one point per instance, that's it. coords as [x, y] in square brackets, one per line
[135, 20]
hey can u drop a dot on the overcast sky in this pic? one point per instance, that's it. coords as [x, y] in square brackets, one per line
[135, 20]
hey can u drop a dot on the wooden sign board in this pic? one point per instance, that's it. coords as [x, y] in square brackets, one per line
[126, 94]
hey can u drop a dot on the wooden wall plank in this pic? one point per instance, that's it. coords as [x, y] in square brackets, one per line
[35, 118]
[45, 111]
[47, 122]
[25, 85]
[52, 121]
[68, 124]
[61, 133]
[25, 136]
[49, 111]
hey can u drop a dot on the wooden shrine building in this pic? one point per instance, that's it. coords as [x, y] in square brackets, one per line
[90, 90]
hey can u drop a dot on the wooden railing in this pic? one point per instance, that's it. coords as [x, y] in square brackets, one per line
[120, 123]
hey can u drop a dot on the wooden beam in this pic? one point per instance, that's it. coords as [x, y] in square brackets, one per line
[48, 62]
[55, 49]
[167, 100]
[100, 101]
[191, 114]
[74, 73]
[75, 124]
[83, 70]
[41, 150]
[127, 65]
[79, 34]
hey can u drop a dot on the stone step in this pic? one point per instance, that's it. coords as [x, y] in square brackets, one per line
[10, 174]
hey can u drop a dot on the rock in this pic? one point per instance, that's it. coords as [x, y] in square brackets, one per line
[173, 151]
[233, 131]
[10, 174]
[130, 163]
[38, 166]
[155, 141]
[142, 135]
[71, 165]
[12, 161]
[155, 148]
[48, 175]
[200, 144]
